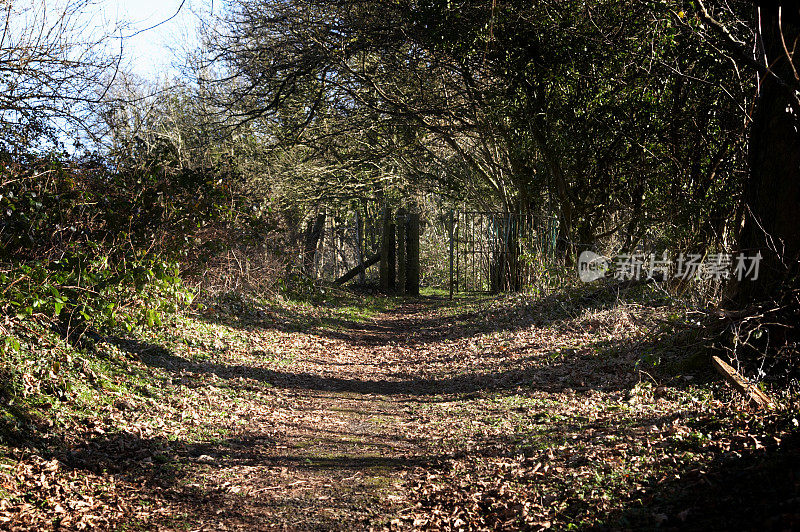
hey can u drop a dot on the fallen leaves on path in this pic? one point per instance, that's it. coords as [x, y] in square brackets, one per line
[488, 414]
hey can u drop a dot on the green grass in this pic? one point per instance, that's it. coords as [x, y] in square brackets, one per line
[427, 291]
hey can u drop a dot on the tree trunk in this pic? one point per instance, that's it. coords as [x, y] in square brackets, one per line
[772, 192]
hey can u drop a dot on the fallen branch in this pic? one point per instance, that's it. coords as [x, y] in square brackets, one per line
[750, 391]
[358, 269]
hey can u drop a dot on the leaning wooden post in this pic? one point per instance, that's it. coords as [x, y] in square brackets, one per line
[750, 391]
[450, 227]
[385, 246]
[401, 251]
[412, 252]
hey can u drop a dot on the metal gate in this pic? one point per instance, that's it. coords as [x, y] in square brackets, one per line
[467, 250]
[499, 251]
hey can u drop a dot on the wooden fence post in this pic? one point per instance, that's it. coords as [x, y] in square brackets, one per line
[412, 252]
[401, 252]
[385, 246]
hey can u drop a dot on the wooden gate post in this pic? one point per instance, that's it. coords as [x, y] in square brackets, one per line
[385, 245]
[392, 249]
[360, 245]
[412, 252]
[401, 252]
[450, 227]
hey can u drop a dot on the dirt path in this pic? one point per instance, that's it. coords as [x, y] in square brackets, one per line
[475, 415]
[438, 415]
[366, 417]
[332, 444]
[334, 438]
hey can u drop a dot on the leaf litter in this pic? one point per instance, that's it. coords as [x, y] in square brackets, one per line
[479, 414]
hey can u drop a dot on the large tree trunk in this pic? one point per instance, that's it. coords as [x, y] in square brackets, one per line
[772, 192]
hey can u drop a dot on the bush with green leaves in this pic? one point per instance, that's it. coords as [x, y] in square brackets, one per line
[82, 246]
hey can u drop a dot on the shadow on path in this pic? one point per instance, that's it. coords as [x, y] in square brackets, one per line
[416, 321]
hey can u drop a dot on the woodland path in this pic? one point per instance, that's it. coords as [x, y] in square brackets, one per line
[344, 429]
[474, 414]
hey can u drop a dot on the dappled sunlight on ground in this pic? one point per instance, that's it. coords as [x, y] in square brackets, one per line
[497, 412]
